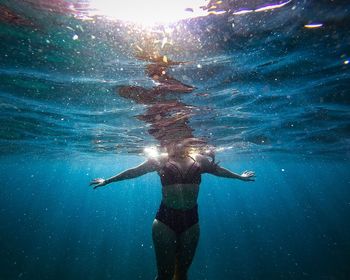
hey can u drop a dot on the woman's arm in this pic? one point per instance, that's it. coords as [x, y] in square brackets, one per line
[223, 172]
[217, 170]
[146, 167]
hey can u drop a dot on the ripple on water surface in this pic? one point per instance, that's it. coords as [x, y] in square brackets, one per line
[257, 82]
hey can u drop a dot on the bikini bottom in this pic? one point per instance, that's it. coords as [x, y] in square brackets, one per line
[178, 220]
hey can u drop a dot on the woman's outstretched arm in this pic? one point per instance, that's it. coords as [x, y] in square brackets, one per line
[223, 172]
[146, 167]
[217, 170]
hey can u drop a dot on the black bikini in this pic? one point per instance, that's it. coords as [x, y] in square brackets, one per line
[171, 174]
[179, 220]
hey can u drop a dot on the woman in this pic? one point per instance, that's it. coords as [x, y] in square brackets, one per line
[175, 230]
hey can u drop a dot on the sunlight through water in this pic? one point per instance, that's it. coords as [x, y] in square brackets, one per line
[148, 12]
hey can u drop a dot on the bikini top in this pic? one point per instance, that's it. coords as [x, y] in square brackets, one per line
[171, 174]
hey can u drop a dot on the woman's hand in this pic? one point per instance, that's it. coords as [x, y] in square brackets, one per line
[247, 176]
[99, 182]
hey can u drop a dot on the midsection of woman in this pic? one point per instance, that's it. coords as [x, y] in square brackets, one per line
[180, 196]
[180, 179]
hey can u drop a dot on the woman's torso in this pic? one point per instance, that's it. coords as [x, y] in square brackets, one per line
[180, 179]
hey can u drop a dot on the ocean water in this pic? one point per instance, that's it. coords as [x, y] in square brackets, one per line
[264, 89]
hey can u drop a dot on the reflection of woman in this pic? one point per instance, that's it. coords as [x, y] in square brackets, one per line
[175, 228]
[167, 116]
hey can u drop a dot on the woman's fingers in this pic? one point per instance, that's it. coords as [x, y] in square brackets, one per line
[99, 182]
[96, 181]
[249, 173]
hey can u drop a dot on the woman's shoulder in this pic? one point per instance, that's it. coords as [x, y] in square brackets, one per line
[158, 161]
[205, 163]
[201, 159]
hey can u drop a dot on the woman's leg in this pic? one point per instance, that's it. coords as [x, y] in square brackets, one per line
[164, 240]
[188, 241]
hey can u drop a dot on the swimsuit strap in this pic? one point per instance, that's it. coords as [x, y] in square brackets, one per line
[178, 169]
[188, 170]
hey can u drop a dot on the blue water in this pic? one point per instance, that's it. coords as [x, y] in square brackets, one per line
[271, 95]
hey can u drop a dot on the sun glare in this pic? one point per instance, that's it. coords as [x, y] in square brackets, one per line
[148, 12]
